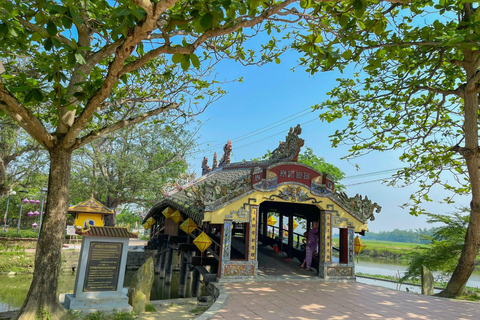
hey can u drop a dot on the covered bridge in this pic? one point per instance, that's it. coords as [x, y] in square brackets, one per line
[232, 204]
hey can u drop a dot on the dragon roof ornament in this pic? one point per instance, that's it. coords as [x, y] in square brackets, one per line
[289, 150]
[363, 208]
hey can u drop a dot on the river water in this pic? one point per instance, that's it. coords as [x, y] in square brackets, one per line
[13, 290]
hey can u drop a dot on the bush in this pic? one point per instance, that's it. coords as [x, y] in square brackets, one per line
[12, 233]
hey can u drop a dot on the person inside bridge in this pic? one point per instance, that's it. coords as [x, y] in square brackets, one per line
[312, 244]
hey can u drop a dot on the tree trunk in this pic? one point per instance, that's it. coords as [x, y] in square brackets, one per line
[112, 203]
[466, 262]
[42, 298]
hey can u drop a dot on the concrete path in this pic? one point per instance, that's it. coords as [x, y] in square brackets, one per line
[306, 300]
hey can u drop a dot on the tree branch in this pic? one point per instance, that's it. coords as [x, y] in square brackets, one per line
[25, 118]
[122, 52]
[201, 39]
[121, 124]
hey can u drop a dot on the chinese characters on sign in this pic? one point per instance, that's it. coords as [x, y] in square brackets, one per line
[103, 266]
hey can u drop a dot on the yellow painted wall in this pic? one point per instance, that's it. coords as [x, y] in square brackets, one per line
[82, 217]
[326, 203]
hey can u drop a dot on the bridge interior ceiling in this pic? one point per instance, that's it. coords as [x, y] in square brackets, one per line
[309, 212]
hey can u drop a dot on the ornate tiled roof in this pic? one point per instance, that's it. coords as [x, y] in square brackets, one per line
[112, 232]
[228, 182]
[207, 193]
[90, 206]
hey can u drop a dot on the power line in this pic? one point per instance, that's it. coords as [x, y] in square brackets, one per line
[262, 129]
[372, 173]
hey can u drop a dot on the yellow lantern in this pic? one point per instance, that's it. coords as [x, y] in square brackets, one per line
[271, 221]
[150, 221]
[176, 216]
[202, 242]
[188, 226]
[167, 212]
[359, 245]
[295, 225]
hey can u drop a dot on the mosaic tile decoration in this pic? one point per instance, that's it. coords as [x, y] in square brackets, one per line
[328, 236]
[253, 232]
[227, 240]
[238, 270]
[339, 272]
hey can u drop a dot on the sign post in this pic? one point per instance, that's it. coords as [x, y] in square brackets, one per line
[101, 270]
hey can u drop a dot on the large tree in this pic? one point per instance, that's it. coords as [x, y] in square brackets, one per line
[81, 58]
[22, 161]
[417, 92]
[131, 165]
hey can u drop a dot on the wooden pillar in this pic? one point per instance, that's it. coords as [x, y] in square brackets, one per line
[183, 277]
[290, 233]
[280, 226]
[343, 245]
[195, 283]
[168, 267]
[163, 258]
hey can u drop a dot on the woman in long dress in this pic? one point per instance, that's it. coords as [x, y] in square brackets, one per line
[312, 244]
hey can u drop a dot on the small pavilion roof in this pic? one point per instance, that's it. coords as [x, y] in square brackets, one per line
[112, 232]
[90, 206]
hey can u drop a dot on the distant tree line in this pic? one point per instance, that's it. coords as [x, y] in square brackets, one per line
[410, 235]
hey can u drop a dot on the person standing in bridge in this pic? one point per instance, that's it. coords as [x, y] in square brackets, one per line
[312, 244]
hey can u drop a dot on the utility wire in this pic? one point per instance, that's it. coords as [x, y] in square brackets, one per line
[263, 129]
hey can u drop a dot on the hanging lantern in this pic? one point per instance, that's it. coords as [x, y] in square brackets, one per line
[37, 202]
[25, 201]
[176, 216]
[32, 201]
[202, 242]
[167, 212]
[271, 221]
[295, 225]
[36, 213]
[359, 245]
[188, 226]
[150, 221]
[30, 213]
[35, 225]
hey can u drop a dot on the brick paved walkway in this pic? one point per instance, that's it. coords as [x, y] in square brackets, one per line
[306, 300]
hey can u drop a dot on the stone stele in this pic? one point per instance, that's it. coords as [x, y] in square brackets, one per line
[427, 282]
[140, 287]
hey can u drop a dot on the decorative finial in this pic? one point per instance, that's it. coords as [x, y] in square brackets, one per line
[205, 168]
[214, 164]
[227, 149]
[289, 150]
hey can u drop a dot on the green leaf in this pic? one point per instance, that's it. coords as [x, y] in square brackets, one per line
[185, 64]
[178, 57]
[67, 22]
[51, 28]
[37, 94]
[120, 12]
[28, 97]
[358, 5]
[277, 60]
[195, 61]
[79, 57]
[2, 113]
[206, 21]
[3, 29]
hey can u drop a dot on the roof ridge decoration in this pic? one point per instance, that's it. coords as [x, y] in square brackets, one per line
[227, 149]
[288, 150]
[90, 205]
[215, 192]
[364, 208]
[205, 168]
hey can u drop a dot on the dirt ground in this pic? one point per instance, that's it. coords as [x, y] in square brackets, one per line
[185, 311]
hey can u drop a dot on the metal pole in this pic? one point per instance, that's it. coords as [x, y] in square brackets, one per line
[20, 215]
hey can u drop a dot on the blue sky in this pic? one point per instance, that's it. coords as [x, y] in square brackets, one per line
[274, 92]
